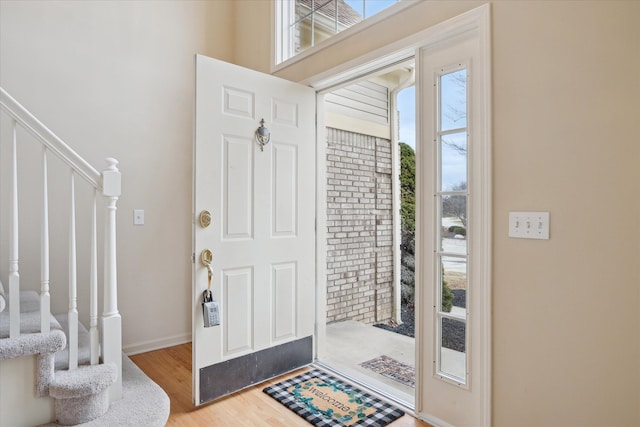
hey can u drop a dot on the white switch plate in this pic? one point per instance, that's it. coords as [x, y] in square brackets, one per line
[529, 225]
[138, 217]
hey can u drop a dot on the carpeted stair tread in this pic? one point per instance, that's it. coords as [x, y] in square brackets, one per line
[143, 403]
[81, 395]
[29, 317]
[83, 381]
[84, 344]
[29, 344]
[29, 301]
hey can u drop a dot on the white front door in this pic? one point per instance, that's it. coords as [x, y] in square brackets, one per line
[262, 230]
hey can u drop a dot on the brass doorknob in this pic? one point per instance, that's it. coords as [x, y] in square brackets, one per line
[205, 218]
[206, 256]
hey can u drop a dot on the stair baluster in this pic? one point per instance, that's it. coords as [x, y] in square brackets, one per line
[93, 287]
[73, 296]
[45, 297]
[14, 275]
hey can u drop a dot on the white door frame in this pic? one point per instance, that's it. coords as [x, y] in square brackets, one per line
[477, 20]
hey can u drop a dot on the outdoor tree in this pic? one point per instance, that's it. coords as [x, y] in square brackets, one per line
[455, 206]
[408, 214]
[407, 188]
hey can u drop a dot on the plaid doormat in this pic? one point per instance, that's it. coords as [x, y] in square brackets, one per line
[391, 368]
[326, 401]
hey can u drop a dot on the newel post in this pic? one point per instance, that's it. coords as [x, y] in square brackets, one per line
[111, 321]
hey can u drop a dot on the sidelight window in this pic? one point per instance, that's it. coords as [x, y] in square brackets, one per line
[452, 223]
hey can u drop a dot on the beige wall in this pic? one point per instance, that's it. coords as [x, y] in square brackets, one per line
[566, 312]
[117, 79]
[565, 111]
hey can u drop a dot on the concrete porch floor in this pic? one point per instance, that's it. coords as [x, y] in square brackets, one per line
[351, 343]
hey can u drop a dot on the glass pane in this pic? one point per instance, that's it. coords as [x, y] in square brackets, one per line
[349, 15]
[330, 17]
[302, 31]
[453, 357]
[453, 100]
[454, 214]
[453, 158]
[325, 23]
[454, 285]
[454, 236]
[368, 8]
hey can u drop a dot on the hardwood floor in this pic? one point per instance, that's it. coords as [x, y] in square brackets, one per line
[170, 368]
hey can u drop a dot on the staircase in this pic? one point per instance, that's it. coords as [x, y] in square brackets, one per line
[78, 372]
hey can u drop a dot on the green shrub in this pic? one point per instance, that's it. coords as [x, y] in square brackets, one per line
[447, 295]
[407, 188]
[456, 229]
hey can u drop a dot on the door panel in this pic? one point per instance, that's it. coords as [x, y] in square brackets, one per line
[237, 291]
[284, 301]
[262, 232]
[237, 213]
[284, 203]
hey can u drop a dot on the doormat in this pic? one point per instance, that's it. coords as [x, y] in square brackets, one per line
[393, 369]
[326, 401]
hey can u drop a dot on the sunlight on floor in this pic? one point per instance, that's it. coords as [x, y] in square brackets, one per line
[351, 343]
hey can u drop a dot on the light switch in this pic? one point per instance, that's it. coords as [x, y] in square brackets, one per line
[529, 225]
[138, 217]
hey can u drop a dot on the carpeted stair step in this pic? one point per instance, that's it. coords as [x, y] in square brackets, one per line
[143, 403]
[42, 345]
[30, 323]
[29, 315]
[81, 395]
[84, 344]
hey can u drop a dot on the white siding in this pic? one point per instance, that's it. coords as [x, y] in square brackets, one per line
[365, 101]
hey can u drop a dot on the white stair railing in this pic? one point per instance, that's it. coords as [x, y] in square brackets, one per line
[107, 184]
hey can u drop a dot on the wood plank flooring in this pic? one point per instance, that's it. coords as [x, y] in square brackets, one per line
[170, 368]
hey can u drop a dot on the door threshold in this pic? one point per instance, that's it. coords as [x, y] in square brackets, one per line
[380, 393]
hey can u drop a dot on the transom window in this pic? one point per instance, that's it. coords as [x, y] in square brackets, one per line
[305, 23]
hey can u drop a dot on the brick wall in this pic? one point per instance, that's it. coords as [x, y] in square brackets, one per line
[359, 228]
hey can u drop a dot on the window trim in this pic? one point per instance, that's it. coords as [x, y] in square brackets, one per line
[282, 8]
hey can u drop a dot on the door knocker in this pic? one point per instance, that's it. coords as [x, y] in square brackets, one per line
[262, 135]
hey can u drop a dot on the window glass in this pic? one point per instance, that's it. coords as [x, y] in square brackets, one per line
[453, 353]
[453, 171]
[309, 22]
[453, 100]
[452, 196]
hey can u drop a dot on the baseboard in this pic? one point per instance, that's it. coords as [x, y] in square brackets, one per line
[151, 345]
